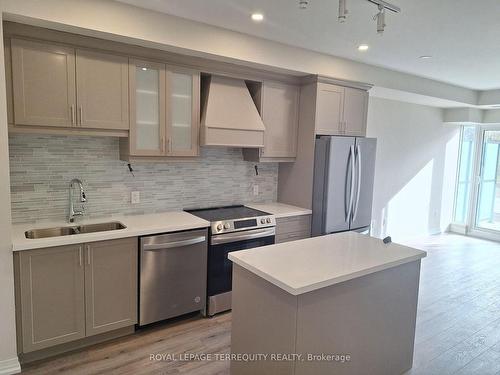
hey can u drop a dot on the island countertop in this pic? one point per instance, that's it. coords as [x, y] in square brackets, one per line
[306, 265]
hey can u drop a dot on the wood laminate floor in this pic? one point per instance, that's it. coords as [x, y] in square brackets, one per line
[458, 324]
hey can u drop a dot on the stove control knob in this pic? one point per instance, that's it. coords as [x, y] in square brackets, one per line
[227, 226]
[219, 227]
[268, 220]
[262, 221]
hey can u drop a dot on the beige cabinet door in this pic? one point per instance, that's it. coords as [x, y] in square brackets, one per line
[102, 90]
[43, 83]
[329, 109]
[8, 80]
[110, 285]
[52, 296]
[147, 108]
[355, 111]
[280, 104]
[183, 112]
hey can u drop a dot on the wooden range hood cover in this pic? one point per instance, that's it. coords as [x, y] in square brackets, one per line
[229, 115]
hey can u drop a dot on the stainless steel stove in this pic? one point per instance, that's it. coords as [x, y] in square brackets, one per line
[232, 228]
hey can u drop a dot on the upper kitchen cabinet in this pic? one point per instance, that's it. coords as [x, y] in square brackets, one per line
[147, 109]
[340, 110]
[60, 87]
[183, 112]
[329, 109]
[164, 111]
[102, 90]
[44, 84]
[280, 114]
[355, 111]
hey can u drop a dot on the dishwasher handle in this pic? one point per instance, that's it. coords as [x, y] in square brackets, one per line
[173, 244]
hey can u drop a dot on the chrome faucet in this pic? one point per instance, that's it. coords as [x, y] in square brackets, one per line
[83, 199]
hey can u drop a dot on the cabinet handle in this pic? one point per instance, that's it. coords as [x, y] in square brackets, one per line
[169, 141]
[88, 255]
[162, 145]
[80, 256]
[72, 110]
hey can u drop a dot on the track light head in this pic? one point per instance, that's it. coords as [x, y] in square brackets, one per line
[380, 17]
[343, 11]
[303, 4]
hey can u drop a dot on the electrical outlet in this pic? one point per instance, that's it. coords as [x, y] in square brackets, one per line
[256, 190]
[135, 197]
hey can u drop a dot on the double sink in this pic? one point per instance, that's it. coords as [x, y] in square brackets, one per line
[70, 230]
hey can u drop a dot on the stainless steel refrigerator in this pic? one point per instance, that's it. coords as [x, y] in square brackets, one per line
[344, 169]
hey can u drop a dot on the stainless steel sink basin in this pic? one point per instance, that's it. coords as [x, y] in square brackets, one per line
[77, 229]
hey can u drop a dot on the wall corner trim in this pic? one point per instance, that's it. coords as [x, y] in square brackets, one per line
[10, 366]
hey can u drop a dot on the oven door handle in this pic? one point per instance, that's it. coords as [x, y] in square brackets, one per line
[173, 244]
[249, 235]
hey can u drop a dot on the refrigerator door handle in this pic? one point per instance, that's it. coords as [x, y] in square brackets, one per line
[351, 196]
[358, 163]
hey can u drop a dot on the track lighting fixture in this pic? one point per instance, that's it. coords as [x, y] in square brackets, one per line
[379, 17]
[343, 11]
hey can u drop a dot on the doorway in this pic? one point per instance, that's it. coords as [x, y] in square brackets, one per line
[477, 198]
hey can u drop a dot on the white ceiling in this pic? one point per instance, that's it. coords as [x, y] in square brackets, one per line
[463, 36]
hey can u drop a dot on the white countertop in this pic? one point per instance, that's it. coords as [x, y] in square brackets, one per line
[280, 210]
[137, 225]
[305, 265]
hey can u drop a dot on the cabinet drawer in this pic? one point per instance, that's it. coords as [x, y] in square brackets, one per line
[287, 237]
[293, 224]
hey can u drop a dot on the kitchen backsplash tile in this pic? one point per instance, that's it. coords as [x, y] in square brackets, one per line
[41, 168]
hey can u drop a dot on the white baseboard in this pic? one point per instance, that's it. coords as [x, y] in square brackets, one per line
[10, 366]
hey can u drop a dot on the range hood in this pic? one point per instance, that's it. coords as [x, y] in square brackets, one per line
[229, 114]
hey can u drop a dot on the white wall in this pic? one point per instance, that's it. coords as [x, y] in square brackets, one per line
[415, 169]
[122, 22]
[8, 358]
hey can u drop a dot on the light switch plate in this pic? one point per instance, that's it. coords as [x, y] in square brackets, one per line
[135, 197]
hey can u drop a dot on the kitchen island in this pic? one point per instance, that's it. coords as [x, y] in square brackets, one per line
[337, 304]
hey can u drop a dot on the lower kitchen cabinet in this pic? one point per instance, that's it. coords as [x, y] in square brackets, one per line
[51, 296]
[110, 285]
[70, 292]
[293, 228]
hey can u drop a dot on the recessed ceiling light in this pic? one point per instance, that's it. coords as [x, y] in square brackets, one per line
[363, 47]
[425, 57]
[257, 17]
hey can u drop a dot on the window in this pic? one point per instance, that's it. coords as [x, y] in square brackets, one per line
[464, 181]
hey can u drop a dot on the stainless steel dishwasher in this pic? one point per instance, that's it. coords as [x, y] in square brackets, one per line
[173, 275]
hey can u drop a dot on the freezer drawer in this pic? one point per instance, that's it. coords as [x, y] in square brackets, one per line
[173, 275]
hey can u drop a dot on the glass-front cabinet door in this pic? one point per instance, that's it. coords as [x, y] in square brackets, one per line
[147, 109]
[183, 111]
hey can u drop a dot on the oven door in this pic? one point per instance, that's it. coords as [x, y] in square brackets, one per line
[220, 268]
